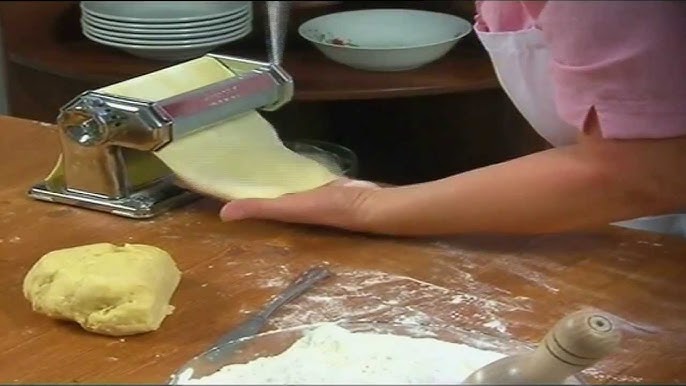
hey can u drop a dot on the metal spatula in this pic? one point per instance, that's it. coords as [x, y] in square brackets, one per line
[213, 358]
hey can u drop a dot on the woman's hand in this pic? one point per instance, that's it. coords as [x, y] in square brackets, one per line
[340, 204]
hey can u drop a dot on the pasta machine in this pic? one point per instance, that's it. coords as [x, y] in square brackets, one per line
[108, 139]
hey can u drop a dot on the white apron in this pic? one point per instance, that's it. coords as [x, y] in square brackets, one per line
[522, 63]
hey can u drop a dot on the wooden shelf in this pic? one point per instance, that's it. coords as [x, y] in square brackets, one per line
[317, 78]
[52, 45]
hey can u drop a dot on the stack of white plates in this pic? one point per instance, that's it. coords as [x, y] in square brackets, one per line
[166, 30]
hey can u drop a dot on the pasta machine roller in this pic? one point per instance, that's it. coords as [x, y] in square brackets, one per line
[108, 140]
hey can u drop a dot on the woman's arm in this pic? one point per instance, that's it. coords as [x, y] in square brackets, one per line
[595, 182]
[592, 183]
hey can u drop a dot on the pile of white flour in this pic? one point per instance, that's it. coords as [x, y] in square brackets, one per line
[331, 355]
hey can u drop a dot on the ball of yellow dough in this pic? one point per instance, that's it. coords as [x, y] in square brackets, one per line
[107, 289]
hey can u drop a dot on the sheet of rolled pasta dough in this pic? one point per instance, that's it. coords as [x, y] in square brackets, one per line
[239, 158]
[172, 80]
[242, 158]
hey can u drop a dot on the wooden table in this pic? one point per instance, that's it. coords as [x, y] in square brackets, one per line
[512, 289]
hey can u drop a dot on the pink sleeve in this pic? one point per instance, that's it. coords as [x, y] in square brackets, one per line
[504, 15]
[626, 59]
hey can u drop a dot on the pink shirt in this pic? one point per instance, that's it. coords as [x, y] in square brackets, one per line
[626, 59]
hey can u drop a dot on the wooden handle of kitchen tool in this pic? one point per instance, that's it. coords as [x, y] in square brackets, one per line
[576, 342]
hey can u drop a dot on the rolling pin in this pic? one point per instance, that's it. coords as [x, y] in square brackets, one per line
[575, 343]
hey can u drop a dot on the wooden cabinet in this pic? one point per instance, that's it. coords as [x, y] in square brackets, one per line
[447, 117]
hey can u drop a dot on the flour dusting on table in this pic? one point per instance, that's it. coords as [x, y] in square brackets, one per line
[481, 315]
[372, 296]
[330, 355]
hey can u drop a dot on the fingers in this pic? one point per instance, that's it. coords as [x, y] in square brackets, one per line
[304, 207]
[359, 184]
[349, 183]
[338, 204]
[252, 208]
[236, 210]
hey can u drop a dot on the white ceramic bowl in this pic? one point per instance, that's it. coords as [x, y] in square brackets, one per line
[385, 39]
[162, 11]
[173, 36]
[199, 26]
